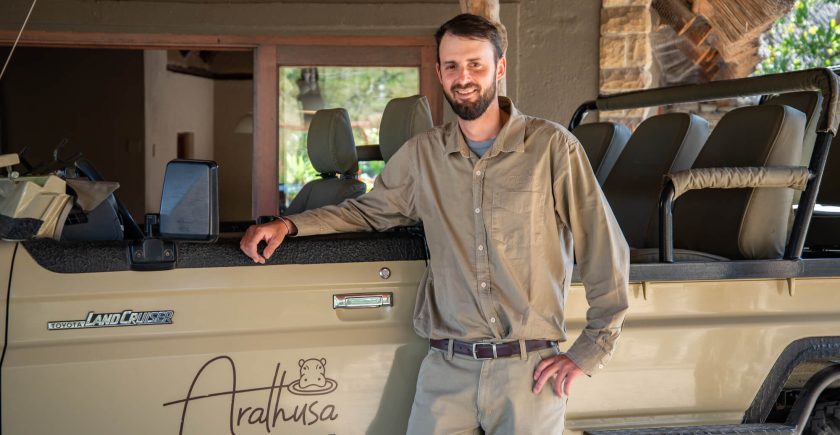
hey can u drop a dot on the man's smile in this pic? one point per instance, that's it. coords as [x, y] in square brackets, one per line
[466, 92]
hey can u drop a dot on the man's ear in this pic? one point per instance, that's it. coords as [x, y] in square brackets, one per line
[437, 71]
[501, 68]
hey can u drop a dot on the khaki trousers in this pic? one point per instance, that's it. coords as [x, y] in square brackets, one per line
[464, 396]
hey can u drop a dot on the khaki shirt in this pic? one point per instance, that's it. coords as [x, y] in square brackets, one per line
[503, 231]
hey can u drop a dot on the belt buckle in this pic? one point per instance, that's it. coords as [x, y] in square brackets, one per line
[492, 345]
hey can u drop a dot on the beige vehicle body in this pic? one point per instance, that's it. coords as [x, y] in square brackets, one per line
[263, 349]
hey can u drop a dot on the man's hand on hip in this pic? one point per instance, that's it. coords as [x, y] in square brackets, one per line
[564, 370]
[272, 232]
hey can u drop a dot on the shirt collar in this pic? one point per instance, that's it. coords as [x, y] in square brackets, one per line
[511, 137]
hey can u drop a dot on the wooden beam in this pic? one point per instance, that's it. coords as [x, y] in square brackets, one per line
[342, 55]
[484, 8]
[189, 41]
[675, 13]
[264, 167]
[429, 84]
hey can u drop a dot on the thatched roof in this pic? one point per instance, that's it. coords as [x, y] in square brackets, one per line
[702, 40]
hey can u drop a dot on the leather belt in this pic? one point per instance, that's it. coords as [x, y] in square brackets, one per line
[481, 351]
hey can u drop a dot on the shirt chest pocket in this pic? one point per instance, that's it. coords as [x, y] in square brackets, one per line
[516, 221]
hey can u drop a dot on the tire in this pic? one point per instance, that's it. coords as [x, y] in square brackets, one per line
[825, 419]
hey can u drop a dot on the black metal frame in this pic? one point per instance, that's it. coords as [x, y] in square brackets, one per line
[577, 117]
[796, 353]
[807, 201]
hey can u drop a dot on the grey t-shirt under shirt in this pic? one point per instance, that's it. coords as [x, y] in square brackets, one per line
[480, 147]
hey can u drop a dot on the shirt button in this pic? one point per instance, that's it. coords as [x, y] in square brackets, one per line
[480, 247]
[492, 320]
[484, 285]
[478, 210]
[478, 173]
[600, 366]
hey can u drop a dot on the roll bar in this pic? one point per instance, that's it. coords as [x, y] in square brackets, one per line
[823, 80]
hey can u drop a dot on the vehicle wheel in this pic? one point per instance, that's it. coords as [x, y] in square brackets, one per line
[825, 419]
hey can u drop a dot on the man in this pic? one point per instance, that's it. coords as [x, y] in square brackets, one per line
[507, 201]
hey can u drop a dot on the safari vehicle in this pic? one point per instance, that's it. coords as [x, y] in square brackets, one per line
[734, 321]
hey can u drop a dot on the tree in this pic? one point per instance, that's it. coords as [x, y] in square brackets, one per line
[808, 37]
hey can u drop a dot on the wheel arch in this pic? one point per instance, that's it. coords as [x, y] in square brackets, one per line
[800, 360]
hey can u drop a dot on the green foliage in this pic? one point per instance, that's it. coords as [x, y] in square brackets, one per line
[802, 40]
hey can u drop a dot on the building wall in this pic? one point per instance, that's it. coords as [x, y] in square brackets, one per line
[175, 103]
[93, 98]
[552, 58]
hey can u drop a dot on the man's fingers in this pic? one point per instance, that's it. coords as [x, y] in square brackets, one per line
[545, 375]
[273, 243]
[558, 383]
[541, 366]
[571, 375]
[253, 236]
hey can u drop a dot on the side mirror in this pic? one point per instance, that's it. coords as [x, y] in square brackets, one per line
[189, 204]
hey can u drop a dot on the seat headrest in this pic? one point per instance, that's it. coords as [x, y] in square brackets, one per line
[402, 119]
[330, 143]
[603, 143]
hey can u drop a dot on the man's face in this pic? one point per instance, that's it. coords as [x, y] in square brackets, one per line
[468, 72]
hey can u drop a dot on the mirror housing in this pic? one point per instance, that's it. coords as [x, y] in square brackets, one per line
[189, 203]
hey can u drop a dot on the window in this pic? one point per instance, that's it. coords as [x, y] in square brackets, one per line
[362, 91]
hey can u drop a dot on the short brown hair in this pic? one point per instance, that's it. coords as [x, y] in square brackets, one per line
[473, 27]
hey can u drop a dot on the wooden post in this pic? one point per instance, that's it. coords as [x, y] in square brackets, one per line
[683, 20]
[264, 171]
[429, 85]
[489, 9]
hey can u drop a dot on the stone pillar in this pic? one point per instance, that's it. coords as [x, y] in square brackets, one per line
[626, 57]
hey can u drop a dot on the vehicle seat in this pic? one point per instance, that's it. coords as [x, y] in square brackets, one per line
[603, 143]
[402, 119]
[660, 144]
[332, 152]
[720, 224]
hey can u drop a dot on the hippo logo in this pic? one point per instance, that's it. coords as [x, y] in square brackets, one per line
[313, 379]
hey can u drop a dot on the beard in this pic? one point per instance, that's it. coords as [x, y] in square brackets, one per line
[470, 111]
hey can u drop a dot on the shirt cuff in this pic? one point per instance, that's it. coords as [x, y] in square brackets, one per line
[306, 225]
[588, 355]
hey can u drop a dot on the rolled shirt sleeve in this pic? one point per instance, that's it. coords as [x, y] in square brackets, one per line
[602, 255]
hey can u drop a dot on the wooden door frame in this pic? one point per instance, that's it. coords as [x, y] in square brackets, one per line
[266, 60]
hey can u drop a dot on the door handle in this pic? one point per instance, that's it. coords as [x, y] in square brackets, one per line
[363, 300]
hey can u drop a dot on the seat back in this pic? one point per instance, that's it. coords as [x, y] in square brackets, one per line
[402, 119]
[809, 103]
[743, 223]
[332, 151]
[660, 144]
[603, 143]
